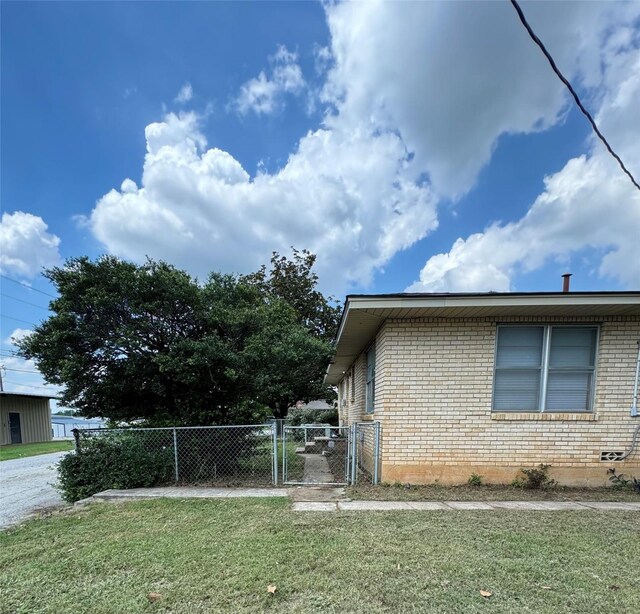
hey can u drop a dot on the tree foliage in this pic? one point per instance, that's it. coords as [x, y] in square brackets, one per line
[130, 342]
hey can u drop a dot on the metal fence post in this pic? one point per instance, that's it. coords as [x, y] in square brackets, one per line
[376, 458]
[175, 453]
[284, 453]
[275, 454]
[76, 437]
[354, 453]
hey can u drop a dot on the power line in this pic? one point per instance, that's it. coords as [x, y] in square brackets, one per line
[27, 385]
[19, 320]
[21, 283]
[15, 298]
[562, 78]
[20, 370]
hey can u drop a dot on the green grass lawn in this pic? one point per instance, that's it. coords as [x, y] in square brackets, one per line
[219, 556]
[21, 450]
[432, 492]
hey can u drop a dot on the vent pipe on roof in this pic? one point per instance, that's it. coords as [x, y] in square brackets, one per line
[566, 281]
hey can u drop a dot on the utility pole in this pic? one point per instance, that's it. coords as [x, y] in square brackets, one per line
[1, 384]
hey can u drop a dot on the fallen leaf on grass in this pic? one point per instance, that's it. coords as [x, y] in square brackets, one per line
[272, 588]
[546, 588]
[486, 594]
[154, 596]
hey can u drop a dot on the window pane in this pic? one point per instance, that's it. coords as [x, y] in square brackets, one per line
[569, 390]
[516, 389]
[519, 346]
[572, 347]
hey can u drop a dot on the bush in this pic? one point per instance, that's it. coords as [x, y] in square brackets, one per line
[303, 415]
[535, 478]
[474, 480]
[122, 460]
[621, 481]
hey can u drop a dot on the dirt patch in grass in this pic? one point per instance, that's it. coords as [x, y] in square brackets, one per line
[220, 556]
[433, 492]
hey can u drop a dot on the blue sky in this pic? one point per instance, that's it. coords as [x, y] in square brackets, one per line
[419, 146]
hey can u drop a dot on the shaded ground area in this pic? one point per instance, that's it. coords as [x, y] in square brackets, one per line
[26, 487]
[403, 492]
[220, 555]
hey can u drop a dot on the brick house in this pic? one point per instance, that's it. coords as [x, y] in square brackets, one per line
[490, 383]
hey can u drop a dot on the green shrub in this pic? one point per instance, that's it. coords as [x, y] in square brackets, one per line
[535, 478]
[119, 460]
[474, 480]
[303, 415]
[621, 481]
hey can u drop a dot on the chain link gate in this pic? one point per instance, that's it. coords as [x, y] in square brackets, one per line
[320, 454]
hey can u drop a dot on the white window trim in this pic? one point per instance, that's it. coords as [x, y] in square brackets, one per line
[544, 369]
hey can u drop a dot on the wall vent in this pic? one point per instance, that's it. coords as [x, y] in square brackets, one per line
[609, 456]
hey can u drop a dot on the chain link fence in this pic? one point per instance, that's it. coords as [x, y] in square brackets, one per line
[239, 455]
[366, 453]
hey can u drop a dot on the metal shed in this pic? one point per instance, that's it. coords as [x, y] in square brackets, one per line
[24, 418]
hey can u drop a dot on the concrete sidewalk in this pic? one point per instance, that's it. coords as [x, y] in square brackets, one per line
[315, 499]
[528, 506]
[186, 492]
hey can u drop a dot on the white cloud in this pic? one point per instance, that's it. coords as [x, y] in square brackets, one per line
[185, 94]
[27, 247]
[351, 198]
[21, 375]
[17, 335]
[590, 203]
[419, 94]
[452, 77]
[264, 94]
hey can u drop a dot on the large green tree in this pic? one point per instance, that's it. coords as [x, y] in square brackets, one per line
[129, 342]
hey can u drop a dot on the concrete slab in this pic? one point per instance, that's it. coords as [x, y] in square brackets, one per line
[427, 506]
[316, 470]
[316, 493]
[612, 505]
[189, 492]
[378, 506]
[536, 506]
[314, 506]
[468, 505]
[558, 506]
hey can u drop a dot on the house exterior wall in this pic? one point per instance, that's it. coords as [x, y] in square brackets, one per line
[434, 380]
[353, 409]
[35, 418]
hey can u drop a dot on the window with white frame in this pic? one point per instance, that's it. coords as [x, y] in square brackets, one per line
[353, 384]
[545, 368]
[370, 390]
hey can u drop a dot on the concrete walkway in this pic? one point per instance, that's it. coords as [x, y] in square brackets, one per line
[430, 506]
[316, 499]
[316, 469]
[187, 492]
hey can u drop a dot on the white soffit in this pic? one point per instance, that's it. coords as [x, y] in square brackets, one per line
[364, 314]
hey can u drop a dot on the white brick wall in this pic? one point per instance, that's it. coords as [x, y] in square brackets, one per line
[434, 380]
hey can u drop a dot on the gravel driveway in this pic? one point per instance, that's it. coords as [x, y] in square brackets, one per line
[26, 487]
